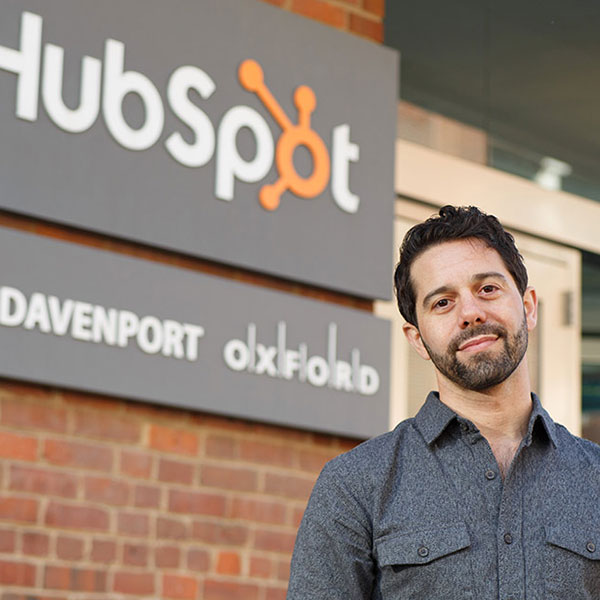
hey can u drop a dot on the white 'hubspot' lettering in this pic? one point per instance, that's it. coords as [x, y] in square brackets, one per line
[81, 118]
[108, 84]
[230, 163]
[200, 152]
[119, 83]
[26, 64]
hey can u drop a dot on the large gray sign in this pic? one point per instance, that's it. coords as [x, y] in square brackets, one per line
[224, 129]
[93, 320]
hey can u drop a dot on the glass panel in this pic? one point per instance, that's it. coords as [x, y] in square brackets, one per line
[523, 72]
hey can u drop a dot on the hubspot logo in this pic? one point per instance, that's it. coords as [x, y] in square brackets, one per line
[251, 77]
[104, 84]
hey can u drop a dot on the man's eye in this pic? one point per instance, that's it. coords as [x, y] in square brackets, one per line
[488, 289]
[442, 303]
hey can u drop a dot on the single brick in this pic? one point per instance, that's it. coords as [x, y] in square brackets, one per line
[368, 28]
[229, 563]
[103, 551]
[283, 434]
[261, 511]
[283, 570]
[76, 454]
[107, 491]
[35, 543]
[322, 440]
[214, 423]
[69, 548]
[243, 480]
[146, 496]
[274, 541]
[18, 509]
[196, 503]
[276, 593]
[173, 471]
[377, 7]
[80, 400]
[136, 464]
[105, 424]
[267, 453]
[172, 529]
[223, 533]
[17, 447]
[198, 559]
[129, 582]
[135, 554]
[135, 524]
[289, 486]
[31, 415]
[8, 539]
[314, 460]
[225, 590]
[43, 481]
[261, 566]
[345, 445]
[320, 10]
[167, 557]
[75, 579]
[178, 441]
[17, 573]
[179, 586]
[19, 389]
[222, 446]
[76, 517]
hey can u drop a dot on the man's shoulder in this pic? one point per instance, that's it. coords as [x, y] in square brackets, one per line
[578, 448]
[375, 453]
[356, 477]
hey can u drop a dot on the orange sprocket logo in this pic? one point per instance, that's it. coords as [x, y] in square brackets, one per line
[251, 77]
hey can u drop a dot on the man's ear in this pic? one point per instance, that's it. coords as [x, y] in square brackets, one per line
[530, 306]
[414, 339]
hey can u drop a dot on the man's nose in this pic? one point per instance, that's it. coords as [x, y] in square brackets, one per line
[471, 312]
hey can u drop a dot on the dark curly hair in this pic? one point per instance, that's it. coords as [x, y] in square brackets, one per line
[453, 223]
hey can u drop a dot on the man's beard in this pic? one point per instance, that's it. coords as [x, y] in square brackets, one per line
[484, 369]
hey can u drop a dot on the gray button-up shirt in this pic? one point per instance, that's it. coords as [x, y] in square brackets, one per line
[422, 513]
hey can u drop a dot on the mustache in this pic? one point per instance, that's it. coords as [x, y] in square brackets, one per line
[467, 334]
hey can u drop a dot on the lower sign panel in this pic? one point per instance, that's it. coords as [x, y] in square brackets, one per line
[96, 321]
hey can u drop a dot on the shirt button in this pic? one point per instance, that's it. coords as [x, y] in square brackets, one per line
[508, 538]
[489, 474]
[423, 551]
[590, 547]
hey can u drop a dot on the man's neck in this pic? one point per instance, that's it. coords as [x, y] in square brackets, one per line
[500, 413]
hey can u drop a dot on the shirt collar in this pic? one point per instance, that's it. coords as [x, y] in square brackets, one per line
[434, 417]
[539, 414]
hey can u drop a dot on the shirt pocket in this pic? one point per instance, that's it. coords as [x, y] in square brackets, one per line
[425, 563]
[572, 556]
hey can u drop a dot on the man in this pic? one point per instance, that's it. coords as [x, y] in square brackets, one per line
[481, 495]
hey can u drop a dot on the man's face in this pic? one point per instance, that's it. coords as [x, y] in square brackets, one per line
[473, 322]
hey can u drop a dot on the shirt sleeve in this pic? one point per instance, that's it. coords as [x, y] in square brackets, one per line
[333, 553]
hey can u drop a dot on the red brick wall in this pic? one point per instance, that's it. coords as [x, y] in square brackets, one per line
[105, 498]
[361, 17]
[108, 499]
